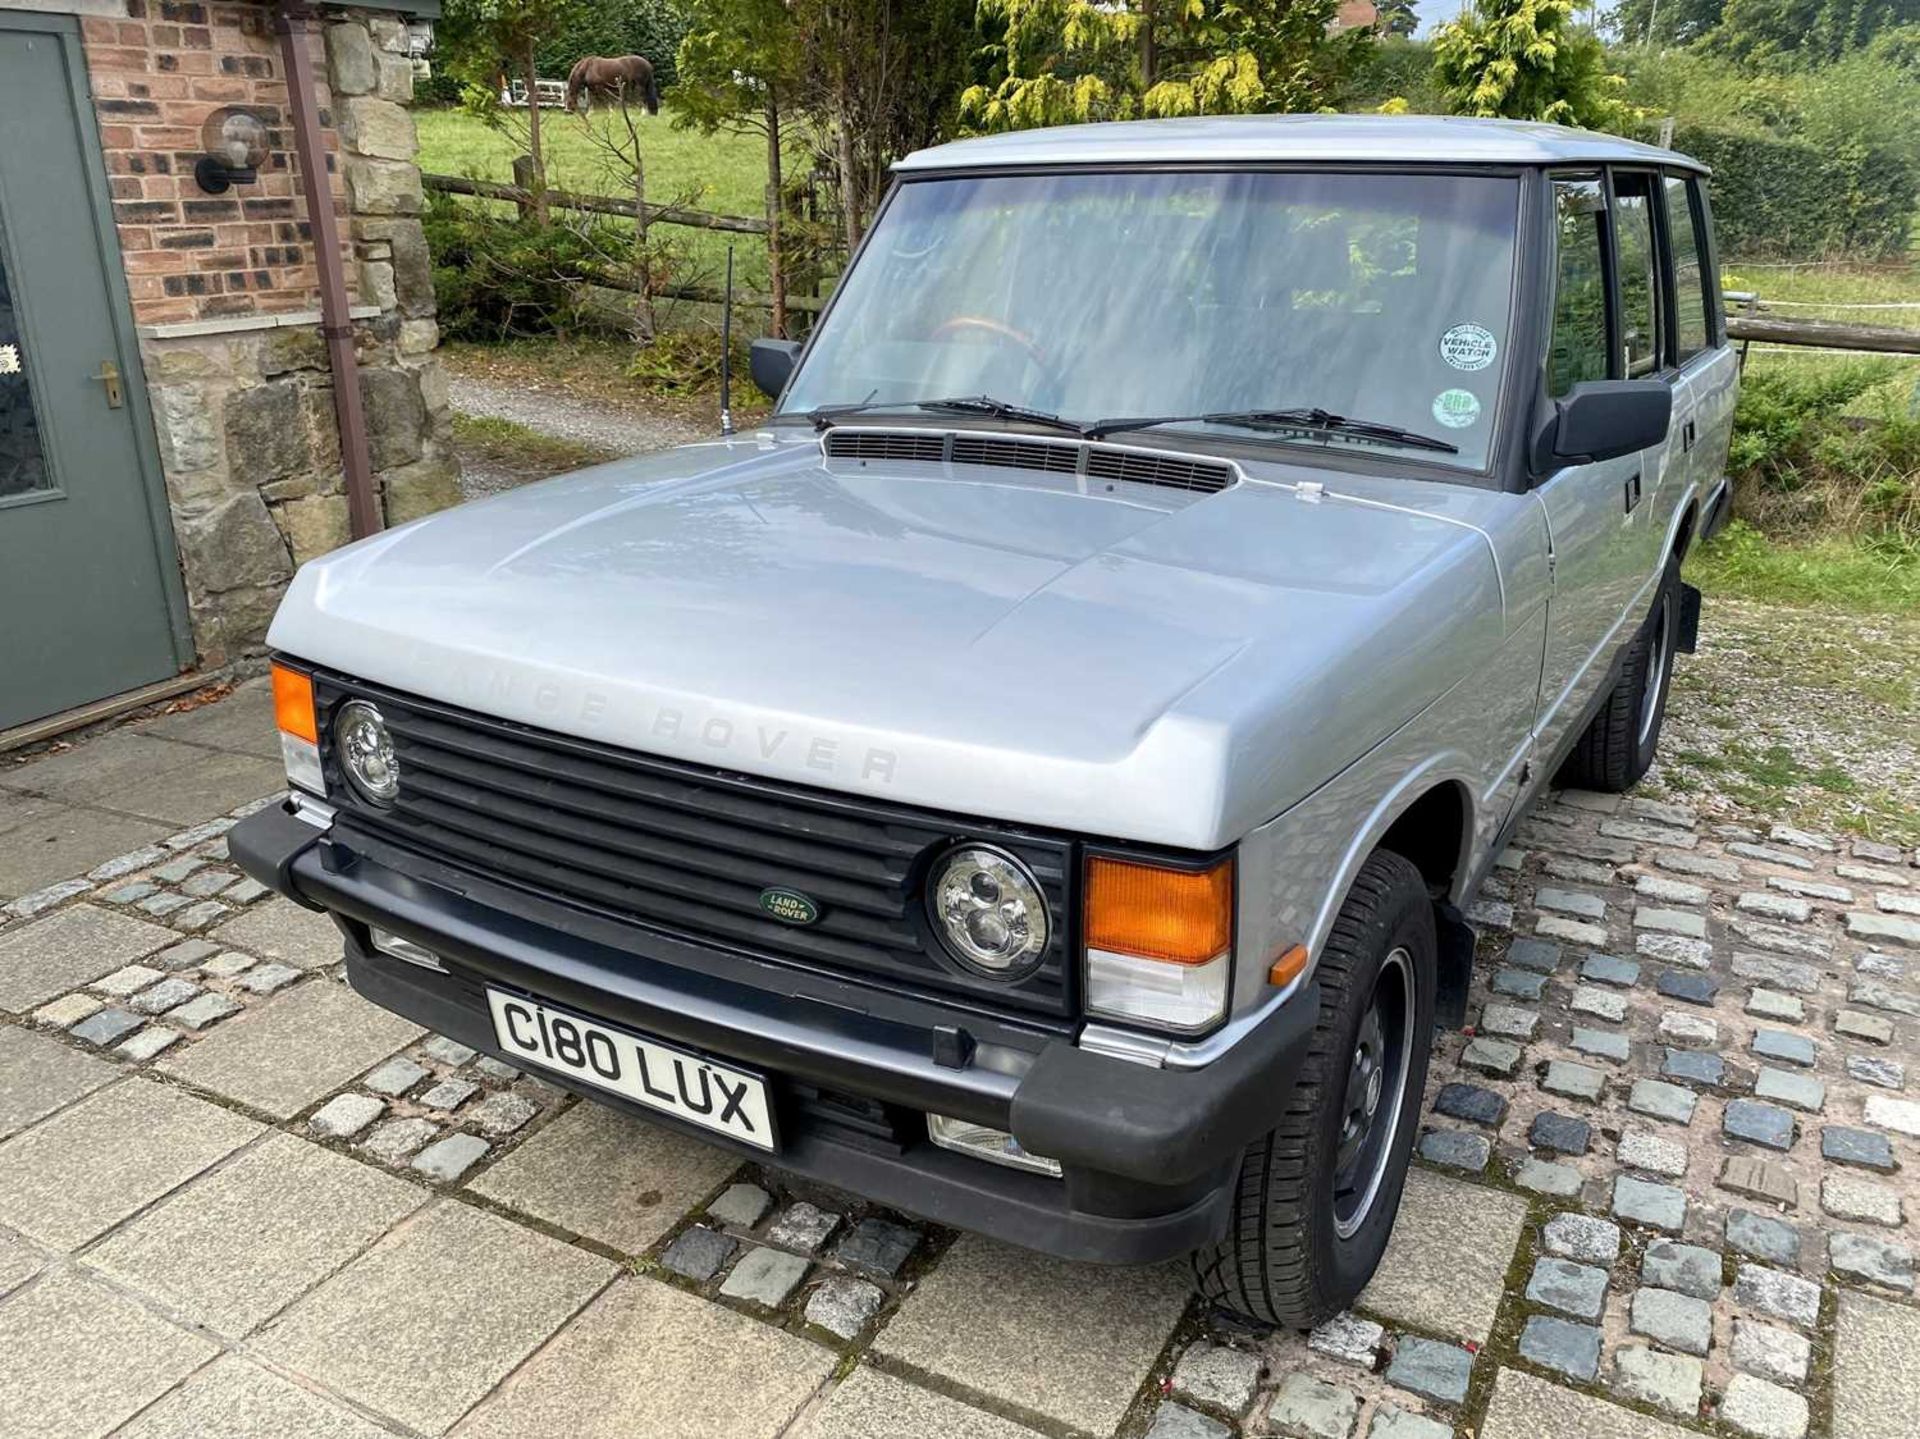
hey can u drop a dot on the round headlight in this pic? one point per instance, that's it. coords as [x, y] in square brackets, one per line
[990, 912]
[366, 751]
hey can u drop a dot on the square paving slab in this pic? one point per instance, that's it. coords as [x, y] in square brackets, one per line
[69, 948]
[43, 841]
[1445, 1268]
[872, 1405]
[235, 1247]
[234, 1398]
[82, 1359]
[280, 929]
[647, 1359]
[283, 1055]
[423, 1325]
[1524, 1407]
[1874, 1396]
[154, 778]
[243, 721]
[1068, 1341]
[39, 1074]
[597, 1173]
[69, 1179]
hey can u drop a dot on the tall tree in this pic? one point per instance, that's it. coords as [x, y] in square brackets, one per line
[1066, 61]
[1807, 31]
[1664, 22]
[1526, 60]
[739, 69]
[1397, 17]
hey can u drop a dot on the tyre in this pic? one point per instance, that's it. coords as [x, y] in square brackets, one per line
[1317, 1196]
[1617, 748]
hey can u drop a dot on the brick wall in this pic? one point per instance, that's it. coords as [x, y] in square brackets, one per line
[157, 76]
[226, 295]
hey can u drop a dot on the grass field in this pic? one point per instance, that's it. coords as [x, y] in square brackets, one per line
[722, 173]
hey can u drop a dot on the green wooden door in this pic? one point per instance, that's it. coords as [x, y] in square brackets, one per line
[90, 600]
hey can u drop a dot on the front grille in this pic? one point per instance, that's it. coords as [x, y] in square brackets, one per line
[686, 850]
[1054, 457]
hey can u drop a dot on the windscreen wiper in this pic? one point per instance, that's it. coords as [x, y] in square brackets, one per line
[826, 416]
[1301, 419]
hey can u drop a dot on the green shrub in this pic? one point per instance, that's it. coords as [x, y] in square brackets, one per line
[1829, 449]
[497, 276]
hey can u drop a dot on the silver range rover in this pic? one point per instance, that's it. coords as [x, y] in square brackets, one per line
[1034, 780]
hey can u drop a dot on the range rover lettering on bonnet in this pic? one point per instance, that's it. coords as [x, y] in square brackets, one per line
[990, 785]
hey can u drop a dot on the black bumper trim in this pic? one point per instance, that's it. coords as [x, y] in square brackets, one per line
[1151, 1156]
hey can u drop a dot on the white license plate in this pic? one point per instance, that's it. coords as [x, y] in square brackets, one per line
[674, 1081]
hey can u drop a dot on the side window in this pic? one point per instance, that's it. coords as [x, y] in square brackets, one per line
[1633, 212]
[1578, 348]
[1690, 297]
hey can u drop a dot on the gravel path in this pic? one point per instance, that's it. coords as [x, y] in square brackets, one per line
[616, 431]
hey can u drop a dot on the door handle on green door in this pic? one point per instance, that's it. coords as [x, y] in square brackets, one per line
[109, 376]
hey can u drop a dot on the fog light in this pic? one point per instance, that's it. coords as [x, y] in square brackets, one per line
[366, 751]
[405, 949]
[996, 1146]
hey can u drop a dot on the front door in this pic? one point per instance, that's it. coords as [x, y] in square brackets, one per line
[90, 600]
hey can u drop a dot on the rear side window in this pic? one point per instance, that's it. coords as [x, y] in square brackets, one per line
[1633, 213]
[1578, 349]
[1690, 298]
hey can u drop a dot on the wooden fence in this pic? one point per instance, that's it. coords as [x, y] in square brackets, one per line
[1748, 317]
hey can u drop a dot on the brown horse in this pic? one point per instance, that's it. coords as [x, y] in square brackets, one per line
[612, 78]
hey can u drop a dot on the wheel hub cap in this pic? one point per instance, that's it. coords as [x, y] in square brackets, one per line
[1375, 1086]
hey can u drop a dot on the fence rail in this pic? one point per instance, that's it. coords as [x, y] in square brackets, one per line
[1824, 334]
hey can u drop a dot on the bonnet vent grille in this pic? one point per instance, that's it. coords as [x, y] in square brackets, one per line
[1096, 461]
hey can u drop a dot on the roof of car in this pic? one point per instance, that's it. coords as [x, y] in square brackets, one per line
[1400, 139]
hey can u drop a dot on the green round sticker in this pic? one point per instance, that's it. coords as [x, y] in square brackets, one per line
[1456, 409]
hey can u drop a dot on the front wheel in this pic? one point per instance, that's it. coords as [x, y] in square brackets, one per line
[1318, 1195]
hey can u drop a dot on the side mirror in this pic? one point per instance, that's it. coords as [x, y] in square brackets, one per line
[1602, 420]
[772, 364]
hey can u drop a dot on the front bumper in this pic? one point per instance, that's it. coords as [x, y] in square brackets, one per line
[1150, 1157]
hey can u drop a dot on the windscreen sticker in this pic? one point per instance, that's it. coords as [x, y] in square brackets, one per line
[1456, 409]
[1469, 347]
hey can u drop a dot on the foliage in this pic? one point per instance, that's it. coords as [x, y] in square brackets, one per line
[1065, 61]
[1807, 162]
[1526, 60]
[687, 362]
[496, 276]
[1804, 32]
[652, 28]
[1830, 448]
[1664, 22]
[483, 42]
[1397, 18]
[1393, 70]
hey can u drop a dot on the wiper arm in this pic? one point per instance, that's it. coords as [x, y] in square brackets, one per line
[826, 416]
[1304, 418]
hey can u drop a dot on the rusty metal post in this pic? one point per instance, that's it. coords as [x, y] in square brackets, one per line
[296, 26]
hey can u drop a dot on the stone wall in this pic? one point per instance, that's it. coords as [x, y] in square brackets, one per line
[227, 306]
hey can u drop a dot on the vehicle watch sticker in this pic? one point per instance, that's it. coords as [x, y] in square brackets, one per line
[1456, 409]
[1469, 347]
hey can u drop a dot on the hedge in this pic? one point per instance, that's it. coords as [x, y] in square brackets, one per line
[1786, 198]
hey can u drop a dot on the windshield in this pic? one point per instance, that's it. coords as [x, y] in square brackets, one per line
[1376, 296]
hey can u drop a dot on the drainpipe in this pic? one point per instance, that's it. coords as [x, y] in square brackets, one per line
[296, 26]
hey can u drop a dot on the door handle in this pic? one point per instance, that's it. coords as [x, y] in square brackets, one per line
[1686, 437]
[1632, 491]
[109, 376]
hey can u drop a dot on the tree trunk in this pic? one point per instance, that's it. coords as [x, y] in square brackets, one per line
[1149, 51]
[532, 78]
[643, 319]
[776, 263]
[849, 171]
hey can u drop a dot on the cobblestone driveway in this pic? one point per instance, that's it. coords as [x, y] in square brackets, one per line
[1664, 1186]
